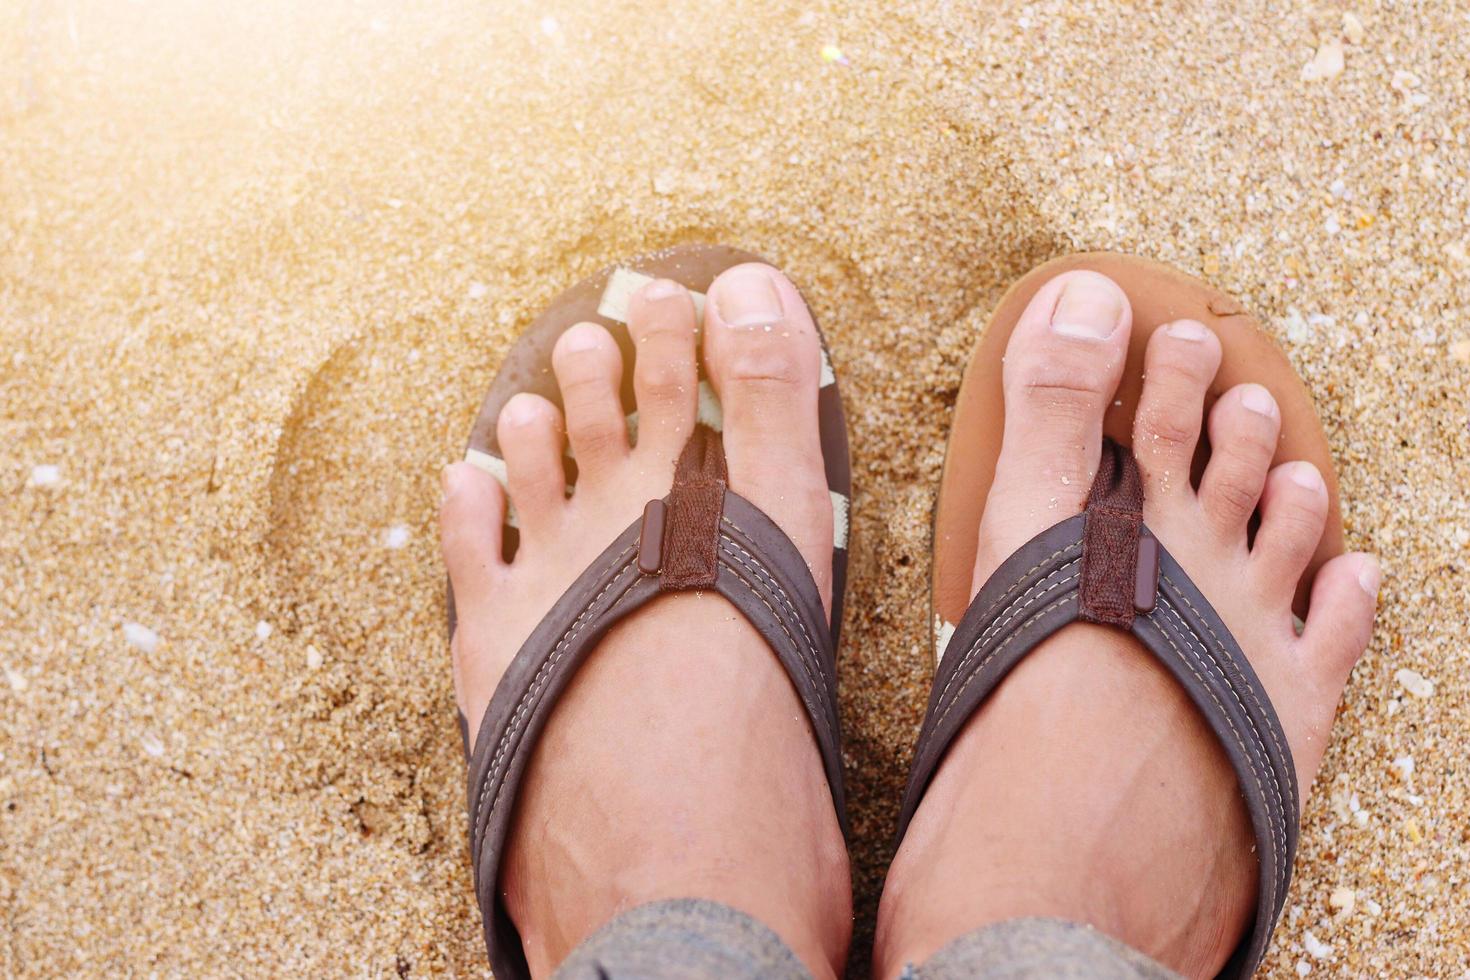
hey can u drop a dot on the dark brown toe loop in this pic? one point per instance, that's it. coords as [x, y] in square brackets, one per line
[691, 537]
[1110, 540]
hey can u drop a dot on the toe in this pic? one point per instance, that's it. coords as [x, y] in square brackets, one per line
[1293, 513]
[1340, 618]
[1062, 366]
[529, 431]
[589, 371]
[1244, 426]
[470, 518]
[765, 361]
[1180, 363]
[665, 378]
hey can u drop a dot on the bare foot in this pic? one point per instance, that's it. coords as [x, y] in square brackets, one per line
[1088, 787]
[679, 763]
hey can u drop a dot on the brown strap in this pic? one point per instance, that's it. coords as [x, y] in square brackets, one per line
[691, 538]
[1036, 593]
[1111, 589]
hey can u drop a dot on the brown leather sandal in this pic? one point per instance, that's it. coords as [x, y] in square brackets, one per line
[1105, 566]
[702, 536]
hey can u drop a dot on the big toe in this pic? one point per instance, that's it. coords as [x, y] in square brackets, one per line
[1062, 366]
[764, 359]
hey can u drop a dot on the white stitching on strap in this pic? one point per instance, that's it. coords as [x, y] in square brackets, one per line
[1278, 828]
[539, 681]
[1225, 649]
[1271, 730]
[1020, 579]
[990, 630]
[1265, 762]
[785, 600]
[766, 578]
[989, 658]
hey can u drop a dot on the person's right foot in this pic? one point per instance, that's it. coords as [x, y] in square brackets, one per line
[1087, 787]
[679, 762]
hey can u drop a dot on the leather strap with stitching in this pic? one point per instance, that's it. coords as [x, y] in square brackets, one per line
[1105, 566]
[701, 536]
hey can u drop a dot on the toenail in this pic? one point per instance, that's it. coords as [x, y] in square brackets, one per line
[661, 289]
[518, 411]
[747, 297]
[1306, 475]
[1188, 330]
[581, 337]
[1370, 576]
[1258, 400]
[1089, 308]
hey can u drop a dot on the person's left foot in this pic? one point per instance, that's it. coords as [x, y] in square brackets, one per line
[1088, 787]
[679, 762]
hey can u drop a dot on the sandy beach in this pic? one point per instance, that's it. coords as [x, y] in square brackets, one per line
[258, 263]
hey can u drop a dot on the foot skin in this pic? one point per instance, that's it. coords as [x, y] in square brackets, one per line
[1088, 787]
[679, 762]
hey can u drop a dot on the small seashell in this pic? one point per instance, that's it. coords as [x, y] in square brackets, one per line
[263, 630]
[1297, 330]
[140, 636]
[44, 475]
[1414, 682]
[151, 744]
[314, 658]
[1342, 899]
[396, 536]
[1315, 947]
[1326, 64]
[1352, 28]
[833, 55]
[17, 680]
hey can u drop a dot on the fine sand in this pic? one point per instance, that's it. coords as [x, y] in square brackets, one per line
[259, 261]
